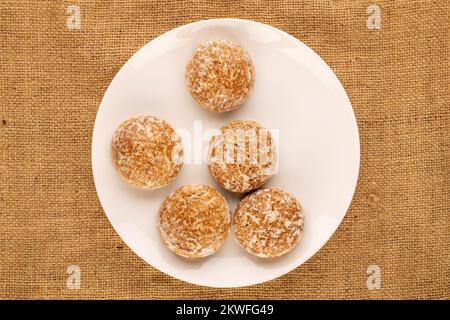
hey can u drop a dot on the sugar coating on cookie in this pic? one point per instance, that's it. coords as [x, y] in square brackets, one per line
[242, 156]
[194, 221]
[147, 152]
[220, 75]
[269, 222]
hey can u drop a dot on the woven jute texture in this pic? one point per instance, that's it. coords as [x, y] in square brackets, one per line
[52, 80]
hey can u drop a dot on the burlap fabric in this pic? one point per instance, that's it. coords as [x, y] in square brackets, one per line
[52, 80]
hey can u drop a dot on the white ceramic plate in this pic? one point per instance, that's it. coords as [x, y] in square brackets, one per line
[296, 94]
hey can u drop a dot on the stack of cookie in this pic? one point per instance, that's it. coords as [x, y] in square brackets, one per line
[194, 221]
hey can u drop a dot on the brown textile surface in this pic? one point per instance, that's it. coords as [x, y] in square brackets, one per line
[52, 80]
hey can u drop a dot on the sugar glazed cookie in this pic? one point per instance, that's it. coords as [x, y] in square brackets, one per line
[147, 152]
[220, 75]
[242, 156]
[194, 221]
[269, 222]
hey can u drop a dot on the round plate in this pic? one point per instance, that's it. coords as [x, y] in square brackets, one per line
[296, 95]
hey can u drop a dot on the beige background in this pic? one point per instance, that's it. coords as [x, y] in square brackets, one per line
[51, 83]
